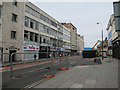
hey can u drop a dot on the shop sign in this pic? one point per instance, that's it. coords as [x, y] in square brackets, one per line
[66, 47]
[30, 47]
[53, 49]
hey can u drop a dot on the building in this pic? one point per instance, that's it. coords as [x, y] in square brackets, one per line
[80, 44]
[113, 38]
[66, 41]
[73, 38]
[111, 33]
[28, 29]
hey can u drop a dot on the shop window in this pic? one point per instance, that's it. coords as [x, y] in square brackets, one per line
[14, 17]
[13, 34]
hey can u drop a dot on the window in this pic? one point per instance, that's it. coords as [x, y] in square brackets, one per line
[25, 35]
[44, 40]
[41, 27]
[53, 32]
[27, 9]
[42, 17]
[36, 25]
[48, 30]
[14, 17]
[36, 37]
[26, 21]
[31, 23]
[31, 36]
[15, 3]
[53, 23]
[13, 34]
[44, 28]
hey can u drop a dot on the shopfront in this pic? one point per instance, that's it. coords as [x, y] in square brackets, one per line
[29, 52]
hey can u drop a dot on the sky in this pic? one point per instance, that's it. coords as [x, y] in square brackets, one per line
[83, 15]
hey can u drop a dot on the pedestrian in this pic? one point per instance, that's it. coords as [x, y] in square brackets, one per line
[50, 55]
[35, 56]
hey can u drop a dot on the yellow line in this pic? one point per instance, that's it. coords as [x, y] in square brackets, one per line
[34, 84]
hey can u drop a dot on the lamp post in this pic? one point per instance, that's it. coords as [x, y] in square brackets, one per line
[102, 39]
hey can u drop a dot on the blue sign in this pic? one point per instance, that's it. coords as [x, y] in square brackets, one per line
[87, 48]
[110, 42]
[110, 34]
[59, 49]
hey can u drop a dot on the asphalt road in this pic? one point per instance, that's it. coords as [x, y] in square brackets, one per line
[26, 76]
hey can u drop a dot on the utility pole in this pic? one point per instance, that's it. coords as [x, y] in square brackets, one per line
[102, 38]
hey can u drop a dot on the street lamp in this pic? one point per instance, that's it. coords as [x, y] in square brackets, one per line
[102, 38]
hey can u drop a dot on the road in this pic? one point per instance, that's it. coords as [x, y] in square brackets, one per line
[28, 75]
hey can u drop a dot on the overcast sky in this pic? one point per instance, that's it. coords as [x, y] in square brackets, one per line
[84, 15]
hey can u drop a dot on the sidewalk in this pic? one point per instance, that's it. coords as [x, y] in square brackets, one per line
[87, 76]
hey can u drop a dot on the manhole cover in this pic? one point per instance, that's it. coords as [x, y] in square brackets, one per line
[17, 76]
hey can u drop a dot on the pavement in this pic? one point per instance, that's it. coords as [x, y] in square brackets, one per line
[103, 75]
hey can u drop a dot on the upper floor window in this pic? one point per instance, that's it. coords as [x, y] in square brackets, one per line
[26, 21]
[36, 25]
[14, 17]
[32, 23]
[15, 3]
[53, 23]
[27, 9]
[13, 34]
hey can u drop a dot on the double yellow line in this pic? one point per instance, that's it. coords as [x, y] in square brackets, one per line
[35, 84]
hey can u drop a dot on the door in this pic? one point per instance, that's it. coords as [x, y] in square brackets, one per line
[13, 56]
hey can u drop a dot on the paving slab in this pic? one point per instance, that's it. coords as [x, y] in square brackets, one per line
[87, 76]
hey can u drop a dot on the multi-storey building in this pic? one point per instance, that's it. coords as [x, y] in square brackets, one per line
[26, 28]
[73, 38]
[111, 33]
[113, 38]
[80, 44]
[66, 41]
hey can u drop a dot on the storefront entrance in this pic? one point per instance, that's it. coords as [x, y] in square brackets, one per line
[13, 56]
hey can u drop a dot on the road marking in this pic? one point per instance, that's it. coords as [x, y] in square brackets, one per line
[36, 83]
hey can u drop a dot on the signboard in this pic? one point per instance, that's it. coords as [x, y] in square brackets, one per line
[53, 49]
[30, 47]
[116, 6]
[66, 47]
